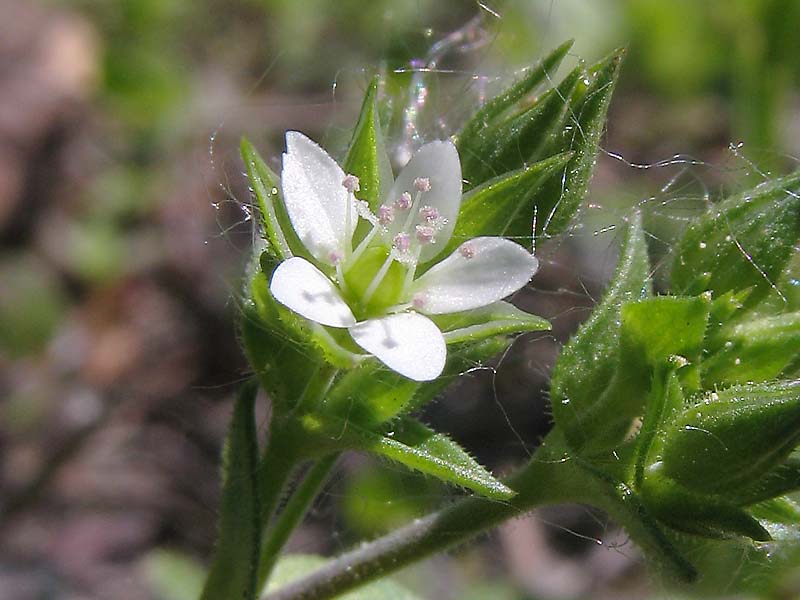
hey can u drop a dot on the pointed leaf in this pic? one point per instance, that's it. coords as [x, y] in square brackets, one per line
[233, 570]
[415, 446]
[588, 362]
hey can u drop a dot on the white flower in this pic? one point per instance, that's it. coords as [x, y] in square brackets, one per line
[366, 280]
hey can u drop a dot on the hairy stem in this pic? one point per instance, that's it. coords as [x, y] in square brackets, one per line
[550, 477]
[291, 516]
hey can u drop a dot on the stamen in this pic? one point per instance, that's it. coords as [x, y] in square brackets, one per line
[373, 285]
[351, 184]
[412, 270]
[422, 184]
[404, 202]
[385, 214]
[429, 214]
[426, 234]
[363, 244]
[401, 242]
[467, 250]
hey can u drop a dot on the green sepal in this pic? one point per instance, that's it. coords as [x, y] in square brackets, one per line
[283, 347]
[411, 444]
[372, 394]
[560, 199]
[783, 479]
[706, 516]
[754, 350]
[472, 141]
[282, 241]
[745, 241]
[588, 362]
[366, 156]
[481, 323]
[233, 569]
[504, 205]
[732, 437]
[276, 345]
[518, 140]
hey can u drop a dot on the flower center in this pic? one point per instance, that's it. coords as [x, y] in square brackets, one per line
[378, 273]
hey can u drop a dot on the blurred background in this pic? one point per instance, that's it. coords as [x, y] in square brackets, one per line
[125, 226]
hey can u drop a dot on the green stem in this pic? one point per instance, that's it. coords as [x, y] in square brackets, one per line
[275, 467]
[291, 516]
[551, 477]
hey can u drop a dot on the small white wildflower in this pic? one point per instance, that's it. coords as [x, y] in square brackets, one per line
[387, 300]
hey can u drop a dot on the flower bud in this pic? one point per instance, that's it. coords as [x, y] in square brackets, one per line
[753, 350]
[732, 437]
[745, 242]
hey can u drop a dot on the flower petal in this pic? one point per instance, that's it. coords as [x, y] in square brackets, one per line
[314, 197]
[438, 161]
[480, 271]
[408, 343]
[299, 285]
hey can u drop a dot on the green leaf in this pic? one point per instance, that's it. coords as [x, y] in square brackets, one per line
[744, 242]
[590, 359]
[281, 238]
[412, 444]
[504, 206]
[656, 329]
[732, 437]
[664, 326]
[481, 323]
[233, 570]
[559, 200]
[295, 566]
[752, 350]
[366, 157]
[472, 140]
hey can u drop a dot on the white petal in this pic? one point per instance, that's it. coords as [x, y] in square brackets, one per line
[314, 196]
[480, 271]
[299, 285]
[438, 161]
[407, 343]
